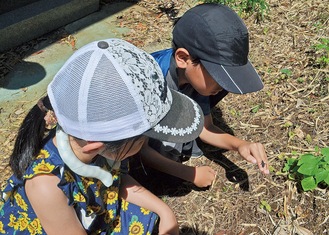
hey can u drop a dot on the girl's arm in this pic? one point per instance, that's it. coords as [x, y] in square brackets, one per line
[134, 193]
[50, 206]
[202, 176]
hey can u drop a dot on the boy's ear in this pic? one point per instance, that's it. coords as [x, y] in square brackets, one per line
[182, 56]
[92, 146]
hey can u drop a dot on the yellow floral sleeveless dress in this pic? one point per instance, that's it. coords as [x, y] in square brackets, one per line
[98, 207]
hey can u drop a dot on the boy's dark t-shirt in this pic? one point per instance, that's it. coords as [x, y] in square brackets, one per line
[168, 66]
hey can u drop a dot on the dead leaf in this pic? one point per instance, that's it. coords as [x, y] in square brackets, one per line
[38, 52]
[280, 230]
[299, 133]
[19, 111]
[301, 230]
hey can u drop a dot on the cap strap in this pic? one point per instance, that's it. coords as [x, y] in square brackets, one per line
[78, 167]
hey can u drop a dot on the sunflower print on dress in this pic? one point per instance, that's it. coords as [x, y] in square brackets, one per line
[111, 214]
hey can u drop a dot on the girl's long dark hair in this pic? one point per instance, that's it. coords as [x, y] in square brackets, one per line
[29, 139]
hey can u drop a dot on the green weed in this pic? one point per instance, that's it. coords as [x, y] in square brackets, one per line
[260, 7]
[309, 170]
[323, 49]
[256, 108]
[300, 80]
[285, 74]
[265, 206]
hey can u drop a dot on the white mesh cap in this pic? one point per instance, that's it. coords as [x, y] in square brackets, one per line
[111, 90]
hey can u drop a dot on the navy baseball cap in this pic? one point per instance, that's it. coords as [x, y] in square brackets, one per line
[217, 36]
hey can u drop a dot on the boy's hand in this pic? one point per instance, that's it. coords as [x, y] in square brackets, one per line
[255, 153]
[204, 176]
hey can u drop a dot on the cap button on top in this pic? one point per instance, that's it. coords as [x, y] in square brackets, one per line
[102, 44]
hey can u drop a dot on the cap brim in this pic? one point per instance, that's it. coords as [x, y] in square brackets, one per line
[183, 122]
[236, 79]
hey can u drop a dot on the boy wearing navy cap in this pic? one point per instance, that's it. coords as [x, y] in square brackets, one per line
[209, 58]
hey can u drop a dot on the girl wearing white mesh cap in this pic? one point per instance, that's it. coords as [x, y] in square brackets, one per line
[100, 107]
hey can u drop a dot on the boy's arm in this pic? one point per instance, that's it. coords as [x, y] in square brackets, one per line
[201, 176]
[252, 152]
[134, 193]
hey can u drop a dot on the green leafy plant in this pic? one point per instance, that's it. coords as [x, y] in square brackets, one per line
[265, 206]
[309, 170]
[260, 7]
[300, 80]
[256, 108]
[286, 72]
[323, 48]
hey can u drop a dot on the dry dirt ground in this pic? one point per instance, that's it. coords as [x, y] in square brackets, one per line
[290, 116]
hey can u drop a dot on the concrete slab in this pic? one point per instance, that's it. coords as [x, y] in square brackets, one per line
[25, 22]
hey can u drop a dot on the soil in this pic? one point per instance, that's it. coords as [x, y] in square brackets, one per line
[290, 116]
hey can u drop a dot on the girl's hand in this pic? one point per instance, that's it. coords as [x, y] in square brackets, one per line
[204, 176]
